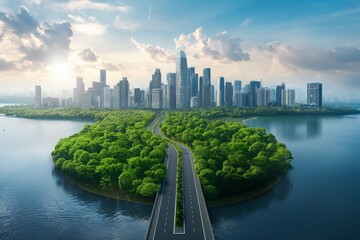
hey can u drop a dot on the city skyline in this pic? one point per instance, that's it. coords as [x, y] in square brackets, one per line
[50, 43]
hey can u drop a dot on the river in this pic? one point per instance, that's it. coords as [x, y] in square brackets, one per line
[317, 199]
[37, 202]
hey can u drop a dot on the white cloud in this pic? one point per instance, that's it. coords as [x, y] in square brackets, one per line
[125, 24]
[76, 5]
[34, 2]
[155, 52]
[221, 46]
[89, 26]
[88, 55]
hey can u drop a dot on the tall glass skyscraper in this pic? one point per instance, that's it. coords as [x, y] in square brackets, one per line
[182, 82]
[314, 94]
[206, 94]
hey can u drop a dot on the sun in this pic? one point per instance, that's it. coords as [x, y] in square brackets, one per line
[60, 71]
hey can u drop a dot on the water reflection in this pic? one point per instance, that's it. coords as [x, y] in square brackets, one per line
[230, 217]
[107, 207]
[291, 128]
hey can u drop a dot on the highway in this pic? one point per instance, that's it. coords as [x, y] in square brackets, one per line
[196, 218]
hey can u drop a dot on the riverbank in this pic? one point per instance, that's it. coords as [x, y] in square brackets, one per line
[232, 199]
[114, 194]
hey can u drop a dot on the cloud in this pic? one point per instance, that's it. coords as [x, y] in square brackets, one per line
[35, 44]
[88, 55]
[344, 59]
[125, 24]
[78, 5]
[89, 27]
[22, 23]
[156, 53]
[4, 65]
[113, 68]
[221, 46]
[33, 2]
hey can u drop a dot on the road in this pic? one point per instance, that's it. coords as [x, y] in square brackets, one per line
[196, 218]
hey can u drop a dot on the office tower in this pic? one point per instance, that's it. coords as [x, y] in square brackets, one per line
[157, 98]
[96, 93]
[212, 96]
[37, 102]
[156, 79]
[253, 86]
[228, 94]
[290, 97]
[80, 88]
[279, 88]
[116, 96]
[103, 77]
[221, 92]
[243, 99]
[85, 100]
[194, 85]
[262, 96]
[206, 90]
[182, 82]
[137, 97]
[236, 93]
[165, 95]
[283, 97]
[106, 93]
[124, 93]
[171, 82]
[273, 95]
[200, 91]
[194, 102]
[314, 94]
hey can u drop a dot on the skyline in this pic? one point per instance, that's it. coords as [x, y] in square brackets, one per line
[50, 43]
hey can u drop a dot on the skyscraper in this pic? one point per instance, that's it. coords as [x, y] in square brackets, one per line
[106, 93]
[262, 96]
[314, 94]
[103, 77]
[206, 91]
[221, 92]
[279, 88]
[171, 80]
[37, 102]
[156, 79]
[201, 92]
[228, 94]
[236, 93]
[194, 85]
[80, 89]
[137, 97]
[253, 86]
[182, 82]
[124, 93]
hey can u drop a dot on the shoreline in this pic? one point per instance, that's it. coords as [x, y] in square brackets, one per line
[241, 197]
[108, 194]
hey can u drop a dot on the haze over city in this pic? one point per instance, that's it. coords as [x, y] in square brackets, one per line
[50, 43]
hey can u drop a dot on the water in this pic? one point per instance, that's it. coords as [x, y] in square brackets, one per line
[38, 202]
[10, 104]
[318, 199]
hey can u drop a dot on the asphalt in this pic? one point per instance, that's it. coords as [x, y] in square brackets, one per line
[196, 218]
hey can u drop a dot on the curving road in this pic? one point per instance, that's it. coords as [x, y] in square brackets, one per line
[196, 218]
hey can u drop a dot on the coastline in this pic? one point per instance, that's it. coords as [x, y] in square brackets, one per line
[237, 198]
[108, 194]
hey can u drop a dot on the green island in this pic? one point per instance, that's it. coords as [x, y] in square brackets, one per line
[117, 156]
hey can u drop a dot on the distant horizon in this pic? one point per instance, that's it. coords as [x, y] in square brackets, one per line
[50, 43]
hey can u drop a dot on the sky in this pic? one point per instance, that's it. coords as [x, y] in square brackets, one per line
[51, 42]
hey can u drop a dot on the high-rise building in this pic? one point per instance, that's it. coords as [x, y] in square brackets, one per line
[314, 94]
[279, 88]
[157, 98]
[290, 97]
[156, 79]
[206, 91]
[103, 77]
[194, 85]
[85, 100]
[124, 93]
[37, 102]
[262, 96]
[194, 102]
[201, 91]
[237, 91]
[221, 92]
[106, 93]
[253, 98]
[80, 89]
[137, 97]
[171, 80]
[182, 82]
[228, 94]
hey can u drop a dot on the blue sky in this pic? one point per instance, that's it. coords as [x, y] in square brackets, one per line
[51, 42]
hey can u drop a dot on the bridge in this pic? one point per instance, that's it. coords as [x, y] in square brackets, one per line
[197, 223]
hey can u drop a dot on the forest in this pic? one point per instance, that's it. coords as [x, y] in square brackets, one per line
[230, 158]
[117, 153]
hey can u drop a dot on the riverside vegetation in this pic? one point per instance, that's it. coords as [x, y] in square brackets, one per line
[118, 154]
